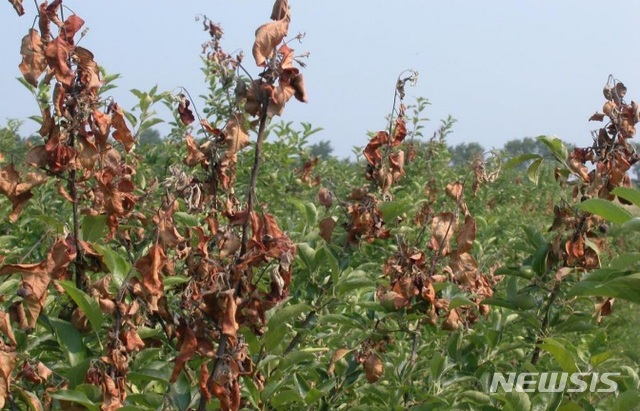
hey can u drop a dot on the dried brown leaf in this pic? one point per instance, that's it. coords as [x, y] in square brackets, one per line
[327, 226]
[442, 228]
[188, 346]
[19, 8]
[280, 10]
[57, 55]
[34, 62]
[150, 268]
[373, 368]
[7, 364]
[268, 36]
[5, 327]
[186, 115]
[122, 133]
[325, 198]
[467, 235]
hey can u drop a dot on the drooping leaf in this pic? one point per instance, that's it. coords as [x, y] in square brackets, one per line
[33, 62]
[268, 36]
[17, 6]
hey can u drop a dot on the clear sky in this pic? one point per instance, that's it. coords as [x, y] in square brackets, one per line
[504, 68]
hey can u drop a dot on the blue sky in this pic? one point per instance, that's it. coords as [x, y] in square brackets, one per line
[504, 69]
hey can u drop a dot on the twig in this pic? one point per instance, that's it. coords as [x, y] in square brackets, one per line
[222, 345]
[545, 321]
[79, 264]
[254, 174]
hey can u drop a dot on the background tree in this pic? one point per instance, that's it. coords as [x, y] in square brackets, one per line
[463, 153]
[150, 137]
[322, 149]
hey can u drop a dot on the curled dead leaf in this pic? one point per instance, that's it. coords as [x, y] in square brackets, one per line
[327, 226]
[373, 368]
[280, 10]
[268, 36]
[34, 62]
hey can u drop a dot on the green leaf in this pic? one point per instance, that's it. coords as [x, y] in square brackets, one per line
[499, 302]
[114, 261]
[623, 285]
[76, 397]
[392, 209]
[308, 210]
[69, 339]
[476, 397]
[631, 225]
[563, 356]
[539, 260]
[557, 148]
[149, 374]
[523, 301]
[628, 400]
[284, 314]
[533, 172]
[285, 397]
[598, 359]
[175, 280]
[625, 261]
[515, 401]
[94, 227]
[341, 319]
[436, 366]
[606, 209]
[185, 219]
[355, 280]
[88, 305]
[519, 160]
[307, 254]
[459, 301]
[632, 195]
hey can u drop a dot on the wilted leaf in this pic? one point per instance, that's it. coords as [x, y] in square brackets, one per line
[131, 340]
[596, 117]
[57, 55]
[188, 346]
[122, 133]
[373, 368]
[71, 26]
[325, 198]
[7, 364]
[33, 62]
[227, 304]
[268, 36]
[442, 228]
[467, 235]
[88, 70]
[327, 226]
[5, 327]
[19, 8]
[186, 115]
[235, 135]
[300, 93]
[280, 10]
[452, 321]
[150, 267]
